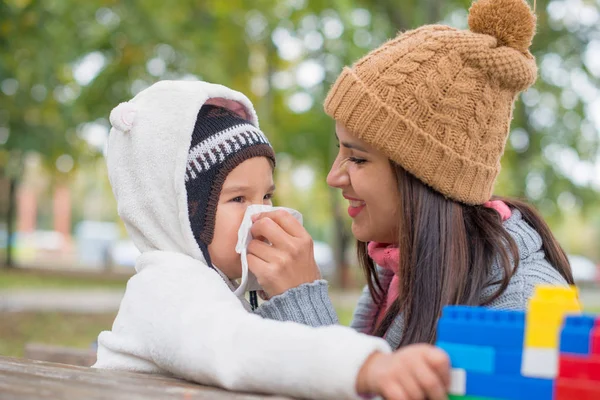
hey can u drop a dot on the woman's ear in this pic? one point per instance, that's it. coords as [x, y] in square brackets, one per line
[231, 105]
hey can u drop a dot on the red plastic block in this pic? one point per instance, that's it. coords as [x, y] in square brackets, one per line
[574, 389]
[579, 367]
[595, 337]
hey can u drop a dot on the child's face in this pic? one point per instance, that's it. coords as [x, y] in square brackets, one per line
[249, 183]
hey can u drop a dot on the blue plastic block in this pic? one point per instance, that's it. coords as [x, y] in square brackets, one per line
[575, 335]
[482, 326]
[470, 358]
[508, 387]
[508, 362]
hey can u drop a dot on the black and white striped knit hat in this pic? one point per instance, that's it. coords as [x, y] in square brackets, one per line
[221, 141]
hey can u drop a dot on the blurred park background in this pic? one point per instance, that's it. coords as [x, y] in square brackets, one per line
[64, 64]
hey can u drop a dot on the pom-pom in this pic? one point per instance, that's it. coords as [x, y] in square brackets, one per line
[511, 22]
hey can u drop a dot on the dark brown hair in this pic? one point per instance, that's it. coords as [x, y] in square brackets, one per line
[446, 254]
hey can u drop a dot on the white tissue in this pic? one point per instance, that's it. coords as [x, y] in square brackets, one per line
[249, 281]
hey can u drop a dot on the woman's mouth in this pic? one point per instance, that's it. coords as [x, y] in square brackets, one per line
[356, 206]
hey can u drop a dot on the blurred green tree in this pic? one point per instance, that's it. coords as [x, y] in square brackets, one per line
[65, 64]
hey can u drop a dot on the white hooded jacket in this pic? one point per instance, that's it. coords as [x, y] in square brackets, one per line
[178, 315]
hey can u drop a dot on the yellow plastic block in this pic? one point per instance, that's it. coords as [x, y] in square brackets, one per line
[545, 314]
[542, 336]
[554, 293]
[551, 312]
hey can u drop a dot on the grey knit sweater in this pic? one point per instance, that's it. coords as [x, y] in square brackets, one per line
[309, 303]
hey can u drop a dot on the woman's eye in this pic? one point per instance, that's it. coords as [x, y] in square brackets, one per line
[357, 160]
[238, 199]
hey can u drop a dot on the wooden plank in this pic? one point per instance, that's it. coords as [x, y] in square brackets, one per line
[22, 379]
[59, 354]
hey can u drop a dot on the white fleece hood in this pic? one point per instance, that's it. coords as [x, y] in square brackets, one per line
[147, 156]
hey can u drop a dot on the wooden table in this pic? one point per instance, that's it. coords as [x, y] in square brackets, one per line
[31, 380]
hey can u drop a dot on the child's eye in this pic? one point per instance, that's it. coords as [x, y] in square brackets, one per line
[357, 160]
[268, 196]
[238, 199]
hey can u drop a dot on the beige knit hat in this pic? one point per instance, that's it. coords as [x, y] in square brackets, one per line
[438, 101]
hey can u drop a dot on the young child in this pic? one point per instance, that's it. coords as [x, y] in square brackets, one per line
[185, 161]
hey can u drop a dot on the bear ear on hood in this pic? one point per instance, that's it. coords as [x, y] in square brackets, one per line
[231, 105]
[122, 117]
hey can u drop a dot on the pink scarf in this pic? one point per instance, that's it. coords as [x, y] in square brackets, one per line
[387, 256]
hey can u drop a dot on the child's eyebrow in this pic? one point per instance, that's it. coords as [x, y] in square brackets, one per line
[241, 188]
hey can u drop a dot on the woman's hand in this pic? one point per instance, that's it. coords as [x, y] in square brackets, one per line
[288, 261]
[419, 371]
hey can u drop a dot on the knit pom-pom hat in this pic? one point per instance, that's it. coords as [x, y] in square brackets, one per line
[438, 101]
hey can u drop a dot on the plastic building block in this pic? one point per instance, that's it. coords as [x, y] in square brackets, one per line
[540, 363]
[542, 335]
[549, 352]
[573, 389]
[480, 326]
[579, 367]
[595, 338]
[553, 293]
[545, 314]
[458, 381]
[470, 358]
[508, 362]
[575, 335]
[508, 387]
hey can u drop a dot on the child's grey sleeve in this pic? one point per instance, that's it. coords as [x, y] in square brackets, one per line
[307, 304]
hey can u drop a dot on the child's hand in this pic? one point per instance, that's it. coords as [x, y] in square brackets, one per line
[419, 371]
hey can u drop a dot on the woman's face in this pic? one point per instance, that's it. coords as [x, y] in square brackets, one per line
[368, 182]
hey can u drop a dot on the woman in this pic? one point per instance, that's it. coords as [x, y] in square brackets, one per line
[422, 122]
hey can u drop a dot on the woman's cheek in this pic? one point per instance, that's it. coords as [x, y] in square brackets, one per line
[358, 176]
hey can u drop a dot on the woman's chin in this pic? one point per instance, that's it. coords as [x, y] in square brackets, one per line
[366, 234]
[361, 233]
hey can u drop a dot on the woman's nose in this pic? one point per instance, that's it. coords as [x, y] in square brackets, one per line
[338, 176]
